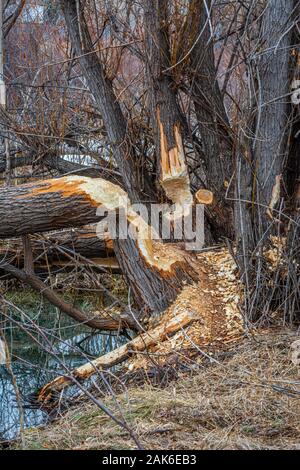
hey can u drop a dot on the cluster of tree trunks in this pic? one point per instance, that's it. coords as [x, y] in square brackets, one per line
[156, 272]
[213, 122]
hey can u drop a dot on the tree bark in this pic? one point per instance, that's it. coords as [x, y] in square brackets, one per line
[62, 166]
[17, 161]
[260, 164]
[46, 205]
[167, 119]
[154, 271]
[56, 250]
[274, 80]
[28, 255]
[292, 184]
[213, 122]
[135, 180]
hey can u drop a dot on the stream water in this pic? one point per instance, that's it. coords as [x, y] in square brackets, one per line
[31, 366]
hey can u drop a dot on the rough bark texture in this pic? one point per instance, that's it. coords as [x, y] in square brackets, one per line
[211, 115]
[260, 164]
[274, 80]
[244, 230]
[134, 178]
[44, 206]
[292, 184]
[16, 160]
[56, 250]
[167, 120]
[292, 168]
[156, 284]
[62, 166]
[28, 255]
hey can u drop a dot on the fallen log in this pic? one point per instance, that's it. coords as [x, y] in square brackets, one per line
[100, 321]
[59, 203]
[138, 344]
[55, 250]
[155, 272]
[47, 205]
[58, 163]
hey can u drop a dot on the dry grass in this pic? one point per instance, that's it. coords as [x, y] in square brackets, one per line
[248, 400]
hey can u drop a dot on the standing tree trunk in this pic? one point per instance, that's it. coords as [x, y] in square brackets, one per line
[136, 179]
[261, 165]
[292, 184]
[211, 115]
[167, 120]
[274, 85]
[261, 162]
[154, 273]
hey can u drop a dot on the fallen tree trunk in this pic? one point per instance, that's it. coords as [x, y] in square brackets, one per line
[92, 319]
[47, 205]
[138, 344]
[150, 267]
[63, 249]
[58, 163]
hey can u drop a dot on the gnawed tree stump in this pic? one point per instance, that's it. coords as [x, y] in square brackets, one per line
[167, 119]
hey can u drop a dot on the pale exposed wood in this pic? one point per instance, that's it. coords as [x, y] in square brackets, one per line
[203, 196]
[275, 197]
[149, 266]
[138, 344]
[166, 116]
[174, 173]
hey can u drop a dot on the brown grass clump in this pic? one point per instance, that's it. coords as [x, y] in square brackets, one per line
[248, 399]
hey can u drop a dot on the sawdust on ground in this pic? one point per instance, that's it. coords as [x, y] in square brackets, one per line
[214, 300]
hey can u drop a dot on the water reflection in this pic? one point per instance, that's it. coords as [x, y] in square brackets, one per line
[72, 346]
[28, 379]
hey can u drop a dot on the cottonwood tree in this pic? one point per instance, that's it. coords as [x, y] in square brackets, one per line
[187, 96]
